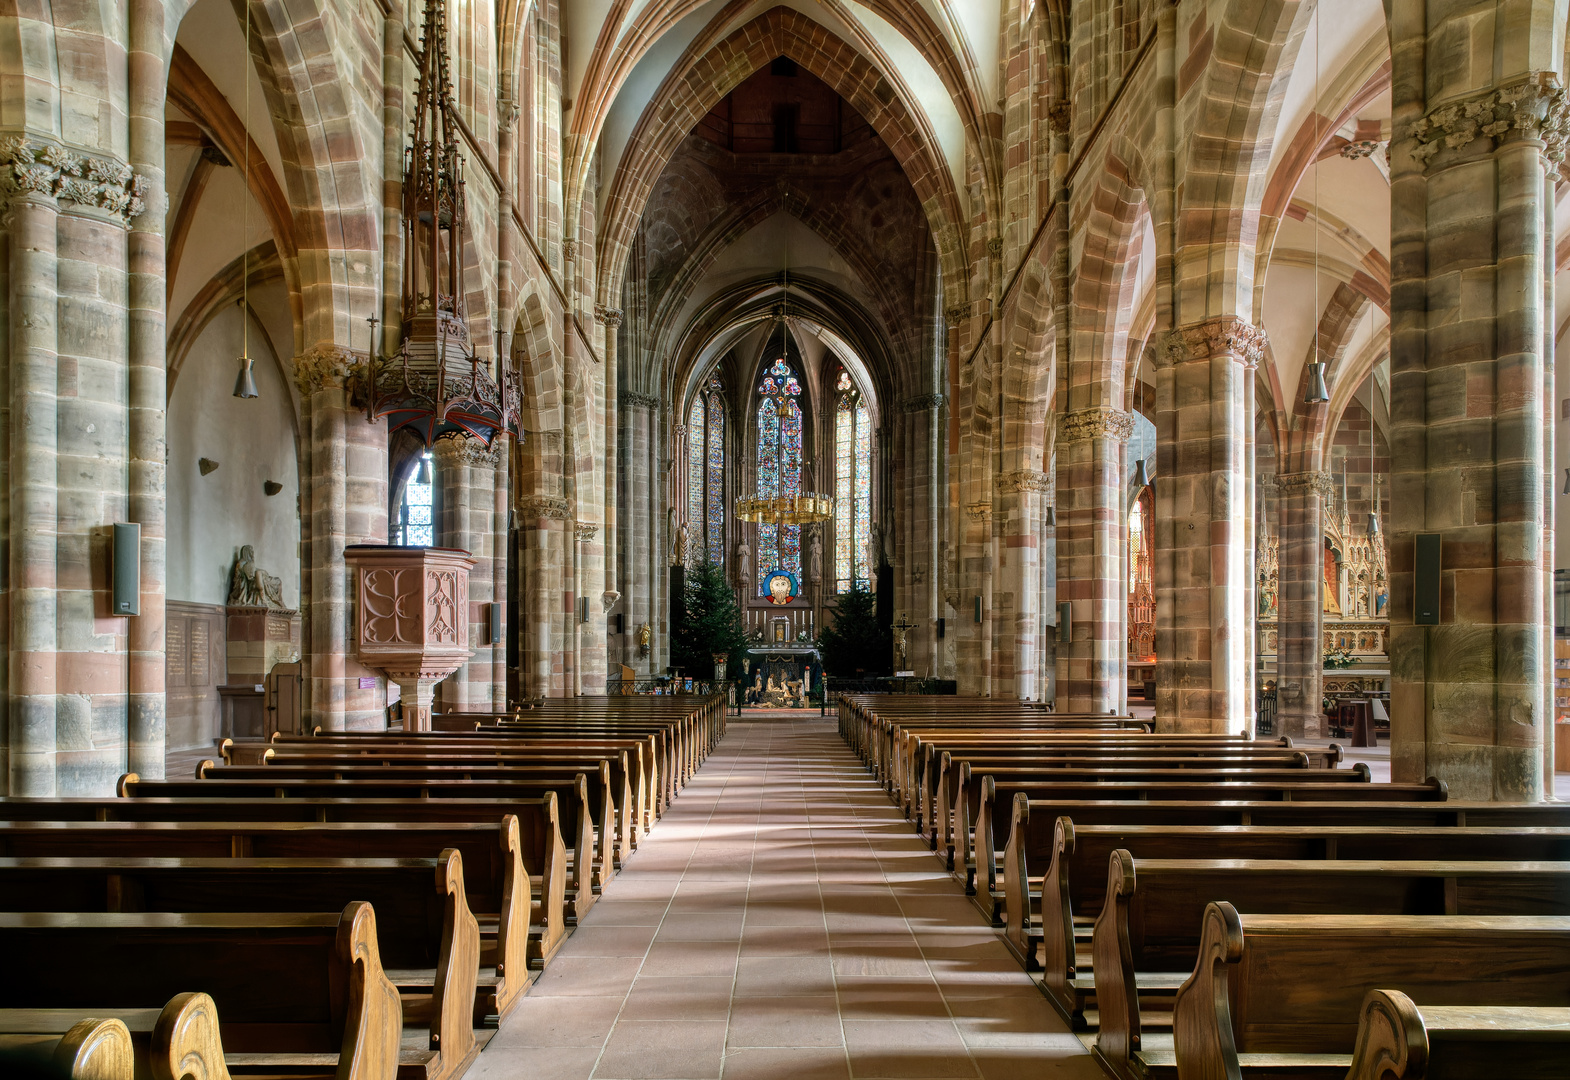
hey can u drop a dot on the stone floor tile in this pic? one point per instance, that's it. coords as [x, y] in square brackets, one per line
[535, 1062]
[887, 1049]
[680, 997]
[786, 1063]
[559, 1021]
[663, 1050]
[786, 1021]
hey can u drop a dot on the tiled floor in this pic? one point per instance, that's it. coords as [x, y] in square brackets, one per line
[783, 923]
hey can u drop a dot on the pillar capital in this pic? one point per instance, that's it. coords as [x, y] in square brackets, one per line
[325, 366]
[1306, 483]
[1023, 480]
[1225, 335]
[543, 506]
[584, 531]
[640, 401]
[1533, 107]
[471, 452]
[1097, 423]
[36, 167]
[608, 317]
[922, 402]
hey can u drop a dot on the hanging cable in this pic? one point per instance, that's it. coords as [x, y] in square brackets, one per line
[245, 382]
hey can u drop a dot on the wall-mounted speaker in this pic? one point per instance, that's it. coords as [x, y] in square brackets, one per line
[125, 570]
[583, 609]
[621, 622]
[941, 623]
[493, 615]
[1065, 622]
[1425, 579]
[978, 607]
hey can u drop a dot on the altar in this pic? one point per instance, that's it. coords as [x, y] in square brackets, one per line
[781, 678]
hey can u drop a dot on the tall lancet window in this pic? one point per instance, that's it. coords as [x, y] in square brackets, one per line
[779, 467]
[706, 473]
[852, 485]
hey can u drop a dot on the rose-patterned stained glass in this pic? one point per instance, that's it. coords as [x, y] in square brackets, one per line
[779, 467]
[706, 474]
[852, 486]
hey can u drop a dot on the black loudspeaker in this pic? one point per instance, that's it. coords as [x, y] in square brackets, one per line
[978, 607]
[1065, 622]
[941, 623]
[621, 622]
[494, 613]
[125, 570]
[1425, 580]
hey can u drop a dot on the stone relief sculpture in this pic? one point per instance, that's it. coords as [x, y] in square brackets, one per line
[679, 549]
[743, 564]
[815, 556]
[251, 586]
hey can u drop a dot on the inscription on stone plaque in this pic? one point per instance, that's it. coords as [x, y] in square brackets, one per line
[200, 633]
[174, 640]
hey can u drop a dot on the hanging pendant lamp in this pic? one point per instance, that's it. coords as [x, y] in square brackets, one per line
[1141, 478]
[1317, 393]
[245, 382]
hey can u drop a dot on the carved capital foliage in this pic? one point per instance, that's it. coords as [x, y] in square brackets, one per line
[470, 452]
[31, 166]
[1097, 423]
[1224, 336]
[326, 366]
[584, 531]
[1060, 116]
[608, 317]
[543, 506]
[923, 402]
[608, 600]
[953, 316]
[1305, 483]
[978, 511]
[1532, 108]
[569, 249]
[1361, 148]
[639, 401]
[1024, 480]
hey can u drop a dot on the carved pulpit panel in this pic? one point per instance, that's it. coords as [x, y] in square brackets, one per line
[411, 608]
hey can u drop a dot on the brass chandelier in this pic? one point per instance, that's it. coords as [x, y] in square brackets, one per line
[799, 508]
[435, 383]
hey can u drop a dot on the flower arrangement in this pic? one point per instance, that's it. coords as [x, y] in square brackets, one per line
[1338, 657]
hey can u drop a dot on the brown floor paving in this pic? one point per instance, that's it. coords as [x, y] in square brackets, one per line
[783, 921]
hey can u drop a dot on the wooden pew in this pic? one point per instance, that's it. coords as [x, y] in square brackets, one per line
[89, 1049]
[1277, 993]
[587, 813]
[1146, 936]
[301, 995]
[961, 798]
[936, 761]
[428, 939]
[523, 924]
[1056, 851]
[1042, 924]
[1400, 1040]
[993, 802]
[519, 798]
[615, 789]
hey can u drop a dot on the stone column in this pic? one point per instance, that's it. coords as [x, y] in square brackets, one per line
[538, 516]
[1300, 604]
[1202, 446]
[346, 502]
[1092, 667]
[34, 514]
[919, 472]
[466, 473]
[148, 336]
[1018, 506]
[640, 553]
[610, 319]
[501, 501]
[591, 645]
[1470, 366]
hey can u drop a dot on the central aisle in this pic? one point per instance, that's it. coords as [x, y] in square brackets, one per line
[782, 921]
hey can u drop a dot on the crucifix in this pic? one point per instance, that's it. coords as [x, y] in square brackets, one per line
[901, 629]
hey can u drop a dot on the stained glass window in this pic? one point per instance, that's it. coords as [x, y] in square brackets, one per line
[779, 467]
[416, 526]
[706, 473]
[852, 485]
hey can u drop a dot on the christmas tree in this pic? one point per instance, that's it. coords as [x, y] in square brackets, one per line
[710, 625]
[854, 644]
